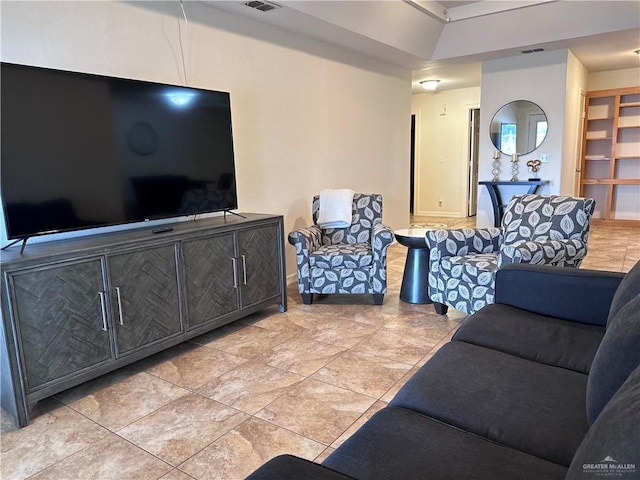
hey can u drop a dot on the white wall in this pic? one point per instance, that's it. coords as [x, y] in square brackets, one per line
[628, 77]
[576, 86]
[304, 119]
[542, 79]
[442, 146]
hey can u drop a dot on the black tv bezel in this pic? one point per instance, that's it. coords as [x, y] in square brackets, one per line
[132, 223]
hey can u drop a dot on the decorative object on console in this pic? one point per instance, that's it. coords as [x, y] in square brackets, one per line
[495, 166]
[537, 229]
[534, 165]
[344, 260]
[514, 167]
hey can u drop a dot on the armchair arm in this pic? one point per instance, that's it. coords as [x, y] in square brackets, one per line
[449, 243]
[381, 238]
[563, 252]
[306, 240]
[574, 294]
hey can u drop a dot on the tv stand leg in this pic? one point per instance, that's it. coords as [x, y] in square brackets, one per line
[24, 244]
[233, 213]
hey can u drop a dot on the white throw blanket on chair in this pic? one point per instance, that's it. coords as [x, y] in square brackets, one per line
[335, 208]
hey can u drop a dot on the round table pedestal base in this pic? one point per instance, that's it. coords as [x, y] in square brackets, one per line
[415, 280]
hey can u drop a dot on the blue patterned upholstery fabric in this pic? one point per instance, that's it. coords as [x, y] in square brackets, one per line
[344, 260]
[543, 230]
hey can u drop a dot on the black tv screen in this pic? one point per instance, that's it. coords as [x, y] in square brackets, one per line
[83, 151]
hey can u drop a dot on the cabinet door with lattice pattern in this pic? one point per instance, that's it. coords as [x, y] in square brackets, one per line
[259, 264]
[144, 290]
[211, 279]
[60, 321]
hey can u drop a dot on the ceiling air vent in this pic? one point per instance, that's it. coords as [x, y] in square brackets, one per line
[262, 6]
[533, 50]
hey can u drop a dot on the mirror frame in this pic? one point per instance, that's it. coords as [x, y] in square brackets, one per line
[508, 118]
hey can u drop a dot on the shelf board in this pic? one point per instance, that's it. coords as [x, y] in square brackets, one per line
[599, 138]
[611, 181]
[599, 118]
[628, 157]
[628, 126]
[596, 158]
[630, 104]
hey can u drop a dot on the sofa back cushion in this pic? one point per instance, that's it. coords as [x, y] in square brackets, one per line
[617, 356]
[610, 447]
[629, 287]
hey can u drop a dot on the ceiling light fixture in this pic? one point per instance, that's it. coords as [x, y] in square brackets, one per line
[430, 84]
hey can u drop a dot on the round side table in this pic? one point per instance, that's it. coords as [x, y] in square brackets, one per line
[415, 280]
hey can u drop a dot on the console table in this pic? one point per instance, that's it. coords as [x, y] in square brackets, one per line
[496, 199]
[75, 309]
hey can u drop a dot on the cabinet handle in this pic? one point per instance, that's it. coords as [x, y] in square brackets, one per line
[119, 305]
[235, 272]
[104, 312]
[244, 269]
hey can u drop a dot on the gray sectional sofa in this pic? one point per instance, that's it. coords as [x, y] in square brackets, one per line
[542, 384]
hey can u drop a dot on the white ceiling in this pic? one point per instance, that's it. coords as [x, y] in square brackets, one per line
[448, 40]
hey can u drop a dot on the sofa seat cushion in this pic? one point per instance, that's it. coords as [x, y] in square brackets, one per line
[535, 408]
[402, 444]
[540, 338]
[289, 467]
[347, 255]
[611, 446]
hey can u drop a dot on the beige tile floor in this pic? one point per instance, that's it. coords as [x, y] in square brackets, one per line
[222, 404]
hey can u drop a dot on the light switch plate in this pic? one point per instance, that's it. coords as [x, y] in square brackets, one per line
[544, 158]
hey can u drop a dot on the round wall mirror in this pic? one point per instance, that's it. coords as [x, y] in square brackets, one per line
[518, 127]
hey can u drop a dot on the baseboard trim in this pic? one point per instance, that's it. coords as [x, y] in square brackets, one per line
[439, 214]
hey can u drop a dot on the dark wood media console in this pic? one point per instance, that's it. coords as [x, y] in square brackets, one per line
[76, 309]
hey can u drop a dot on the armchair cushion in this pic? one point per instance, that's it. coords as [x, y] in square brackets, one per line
[563, 252]
[352, 255]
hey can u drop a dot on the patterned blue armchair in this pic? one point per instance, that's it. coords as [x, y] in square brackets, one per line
[543, 230]
[344, 260]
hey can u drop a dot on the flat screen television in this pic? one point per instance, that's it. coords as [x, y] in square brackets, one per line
[84, 151]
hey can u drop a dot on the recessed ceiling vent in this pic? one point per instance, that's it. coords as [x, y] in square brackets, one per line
[533, 50]
[262, 6]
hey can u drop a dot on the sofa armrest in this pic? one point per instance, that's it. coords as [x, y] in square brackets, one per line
[560, 252]
[572, 294]
[290, 467]
[463, 241]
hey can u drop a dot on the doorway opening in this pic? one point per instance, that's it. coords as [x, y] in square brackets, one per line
[412, 168]
[472, 162]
